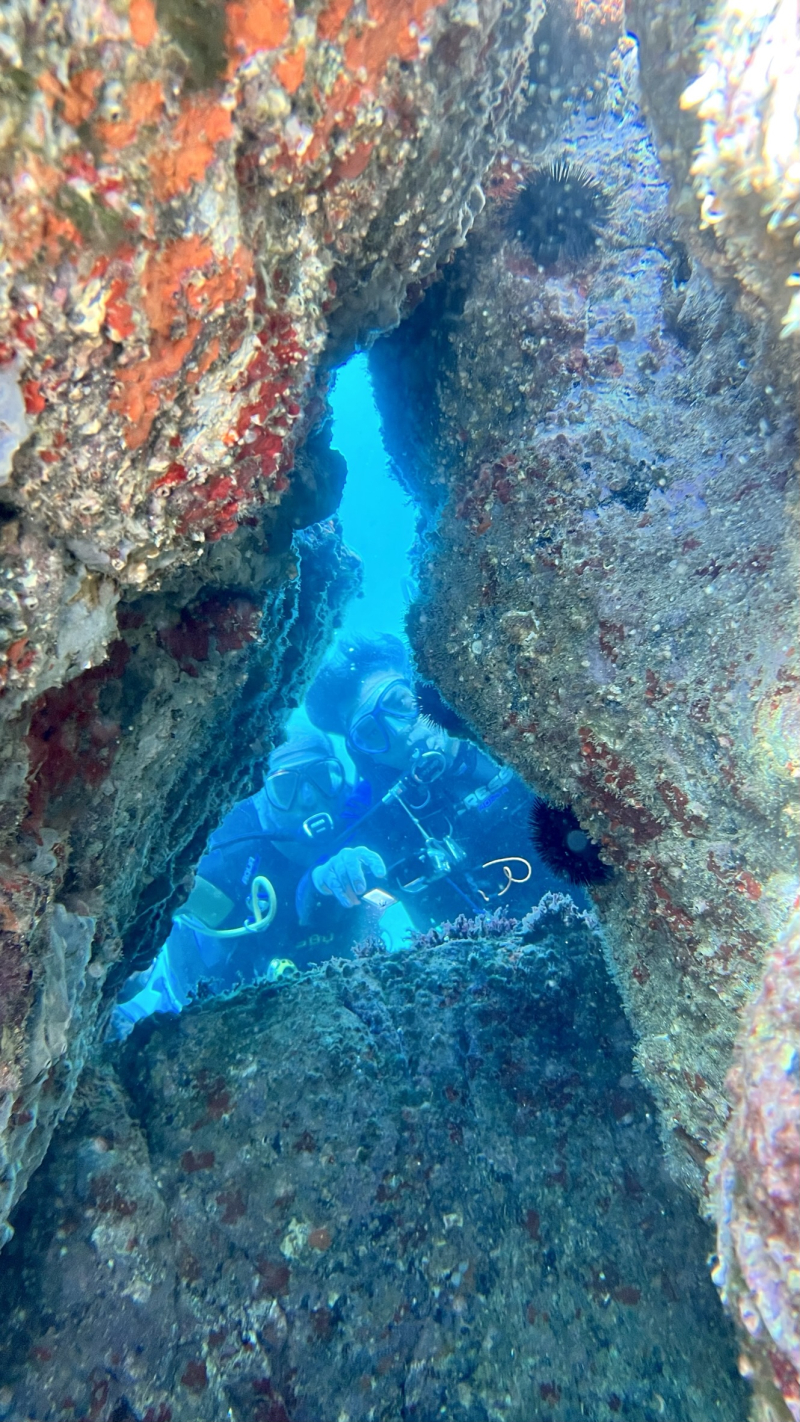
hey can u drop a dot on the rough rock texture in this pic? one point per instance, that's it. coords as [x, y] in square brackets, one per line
[198, 200]
[755, 1180]
[723, 91]
[610, 589]
[412, 1186]
[185, 195]
[203, 205]
[609, 584]
[131, 766]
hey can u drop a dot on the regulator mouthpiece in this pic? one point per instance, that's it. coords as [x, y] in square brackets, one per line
[428, 766]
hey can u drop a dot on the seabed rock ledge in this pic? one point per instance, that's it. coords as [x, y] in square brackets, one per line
[418, 1184]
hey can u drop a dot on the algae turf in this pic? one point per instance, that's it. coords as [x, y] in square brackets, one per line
[417, 1185]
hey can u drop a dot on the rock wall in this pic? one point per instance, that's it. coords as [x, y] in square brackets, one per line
[723, 93]
[606, 445]
[755, 1180]
[609, 588]
[197, 203]
[415, 1185]
[131, 765]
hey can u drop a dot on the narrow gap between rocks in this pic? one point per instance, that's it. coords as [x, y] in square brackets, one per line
[424, 1172]
[380, 813]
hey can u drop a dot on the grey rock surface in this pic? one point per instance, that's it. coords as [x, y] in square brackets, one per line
[608, 591]
[132, 765]
[412, 1186]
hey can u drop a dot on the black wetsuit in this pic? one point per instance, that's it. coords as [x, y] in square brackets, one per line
[438, 840]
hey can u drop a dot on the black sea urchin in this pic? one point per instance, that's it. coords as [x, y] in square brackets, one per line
[558, 213]
[564, 846]
[437, 711]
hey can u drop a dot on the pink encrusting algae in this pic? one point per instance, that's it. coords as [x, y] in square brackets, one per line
[755, 1180]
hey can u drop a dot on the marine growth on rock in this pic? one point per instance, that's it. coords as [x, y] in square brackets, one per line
[477, 1170]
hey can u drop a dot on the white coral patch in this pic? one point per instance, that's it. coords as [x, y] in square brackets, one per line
[13, 421]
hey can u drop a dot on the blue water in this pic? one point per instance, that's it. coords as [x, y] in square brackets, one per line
[379, 524]
[378, 519]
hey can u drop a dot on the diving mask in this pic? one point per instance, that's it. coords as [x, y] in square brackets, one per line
[390, 709]
[282, 785]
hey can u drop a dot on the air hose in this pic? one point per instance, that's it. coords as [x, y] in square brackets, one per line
[259, 921]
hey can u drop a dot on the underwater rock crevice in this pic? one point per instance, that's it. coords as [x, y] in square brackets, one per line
[606, 444]
[197, 231]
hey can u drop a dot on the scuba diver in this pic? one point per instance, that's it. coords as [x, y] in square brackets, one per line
[451, 825]
[271, 891]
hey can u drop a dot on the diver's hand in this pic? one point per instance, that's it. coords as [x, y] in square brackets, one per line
[343, 875]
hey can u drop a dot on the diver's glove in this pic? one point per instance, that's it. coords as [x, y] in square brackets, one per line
[343, 875]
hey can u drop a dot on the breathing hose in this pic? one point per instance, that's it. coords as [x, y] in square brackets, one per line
[258, 923]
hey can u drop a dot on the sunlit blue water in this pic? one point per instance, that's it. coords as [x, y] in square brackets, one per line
[378, 520]
[379, 523]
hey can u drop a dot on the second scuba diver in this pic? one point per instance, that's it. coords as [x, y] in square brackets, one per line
[433, 818]
[271, 887]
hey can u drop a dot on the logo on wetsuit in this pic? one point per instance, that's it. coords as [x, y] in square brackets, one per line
[315, 941]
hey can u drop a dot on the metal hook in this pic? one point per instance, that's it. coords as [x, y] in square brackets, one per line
[505, 860]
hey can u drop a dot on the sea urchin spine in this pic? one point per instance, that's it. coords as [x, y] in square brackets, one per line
[558, 212]
[564, 847]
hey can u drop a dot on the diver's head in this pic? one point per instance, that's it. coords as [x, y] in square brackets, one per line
[332, 696]
[383, 717]
[386, 728]
[305, 787]
[365, 693]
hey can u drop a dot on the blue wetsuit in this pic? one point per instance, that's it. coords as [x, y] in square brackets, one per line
[307, 927]
[439, 840]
